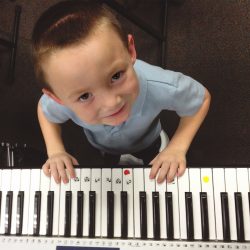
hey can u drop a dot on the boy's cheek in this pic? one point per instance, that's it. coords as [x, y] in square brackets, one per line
[134, 88]
[87, 116]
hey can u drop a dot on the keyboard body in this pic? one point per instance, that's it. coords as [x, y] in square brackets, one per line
[56, 243]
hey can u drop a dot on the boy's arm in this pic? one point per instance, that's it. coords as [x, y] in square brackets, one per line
[188, 126]
[172, 158]
[58, 158]
[51, 133]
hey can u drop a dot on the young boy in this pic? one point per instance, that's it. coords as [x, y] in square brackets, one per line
[90, 75]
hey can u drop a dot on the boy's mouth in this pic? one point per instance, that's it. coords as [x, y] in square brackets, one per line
[117, 112]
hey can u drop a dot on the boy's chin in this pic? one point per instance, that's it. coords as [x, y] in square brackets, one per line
[115, 122]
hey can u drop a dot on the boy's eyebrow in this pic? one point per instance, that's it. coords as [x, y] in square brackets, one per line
[118, 65]
[76, 93]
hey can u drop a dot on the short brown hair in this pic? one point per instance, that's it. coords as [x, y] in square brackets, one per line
[68, 23]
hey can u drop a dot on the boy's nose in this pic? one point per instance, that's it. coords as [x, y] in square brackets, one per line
[110, 99]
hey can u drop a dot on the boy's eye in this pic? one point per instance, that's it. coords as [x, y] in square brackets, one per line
[85, 97]
[116, 76]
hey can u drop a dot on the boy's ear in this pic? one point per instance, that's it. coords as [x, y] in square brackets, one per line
[52, 96]
[131, 48]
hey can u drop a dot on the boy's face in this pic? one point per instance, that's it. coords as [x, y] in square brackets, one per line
[95, 79]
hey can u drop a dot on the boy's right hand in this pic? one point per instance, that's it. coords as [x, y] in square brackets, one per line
[56, 164]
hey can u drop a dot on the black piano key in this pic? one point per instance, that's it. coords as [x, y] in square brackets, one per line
[67, 219]
[8, 212]
[225, 216]
[19, 217]
[79, 225]
[239, 217]
[156, 215]
[37, 212]
[143, 215]
[110, 214]
[50, 213]
[92, 198]
[189, 215]
[169, 215]
[204, 216]
[124, 215]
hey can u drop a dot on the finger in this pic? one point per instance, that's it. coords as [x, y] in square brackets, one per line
[74, 160]
[70, 168]
[181, 169]
[46, 169]
[54, 173]
[163, 172]
[62, 172]
[172, 171]
[154, 169]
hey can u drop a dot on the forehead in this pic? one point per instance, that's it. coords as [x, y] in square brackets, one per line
[93, 58]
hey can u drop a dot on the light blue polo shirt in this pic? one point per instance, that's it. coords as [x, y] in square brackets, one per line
[160, 89]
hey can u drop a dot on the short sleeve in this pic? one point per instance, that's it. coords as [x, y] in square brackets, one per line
[54, 111]
[170, 90]
[188, 95]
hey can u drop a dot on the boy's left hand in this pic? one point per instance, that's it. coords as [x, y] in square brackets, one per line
[169, 162]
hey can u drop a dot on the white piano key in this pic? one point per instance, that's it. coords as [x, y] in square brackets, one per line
[85, 187]
[45, 187]
[219, 186]
[128, 187]
[231, 188]
[56, 210]
[162, 188]
[173, 187]
[15, 187]
[117, 188]
[96, 186]
[106, 186]
[6, 185]
[2, 195]
[138, 186]
[75, 185]
[243, 187]
[183, 185]
[0, 191]
[149, 188]
[207, 186]
[195, 188]
[64, 188]
[25, 187]
[34, 186]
